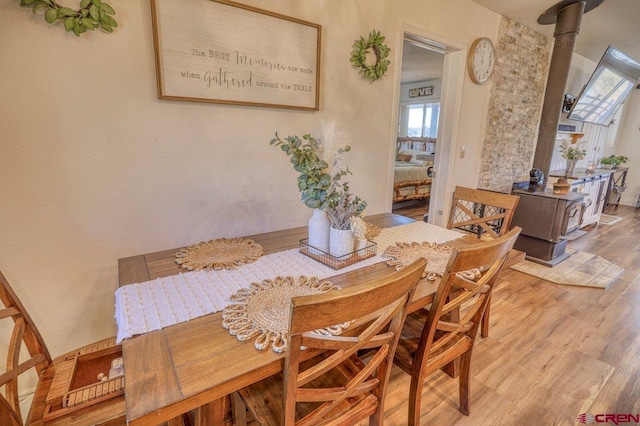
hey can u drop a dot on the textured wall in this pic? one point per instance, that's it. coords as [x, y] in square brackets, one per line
[93, 167]
[520, 76]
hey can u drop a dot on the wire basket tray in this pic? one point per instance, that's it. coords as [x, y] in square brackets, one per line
[338, 262]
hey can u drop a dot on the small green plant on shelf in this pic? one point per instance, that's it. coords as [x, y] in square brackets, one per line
[614, 161]
[571, 153]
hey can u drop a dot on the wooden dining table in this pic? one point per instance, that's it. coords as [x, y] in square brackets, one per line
[193, 365]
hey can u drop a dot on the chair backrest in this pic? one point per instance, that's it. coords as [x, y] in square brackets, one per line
[24, 331]
[378, 309]
[461, 298]
[482, 212]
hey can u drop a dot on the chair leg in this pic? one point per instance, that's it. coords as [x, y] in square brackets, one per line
[415, 400]
[465, 374]
[484, 330]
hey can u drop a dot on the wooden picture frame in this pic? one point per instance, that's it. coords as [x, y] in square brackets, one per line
[225, 52]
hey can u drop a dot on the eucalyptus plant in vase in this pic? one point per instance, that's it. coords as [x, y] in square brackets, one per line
[315, 181]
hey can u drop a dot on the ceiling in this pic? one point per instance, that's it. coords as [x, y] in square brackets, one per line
[420, 63]
[614, 22]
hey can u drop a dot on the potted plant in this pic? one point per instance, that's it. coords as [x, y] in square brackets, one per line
[317, 181]
[613, 161]
[572, 155]
[341, 213]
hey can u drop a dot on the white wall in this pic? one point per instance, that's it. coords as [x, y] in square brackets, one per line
[595, 136]
[628, 143]
[93, 167]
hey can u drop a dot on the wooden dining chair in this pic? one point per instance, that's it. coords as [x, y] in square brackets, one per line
[434, 338]
[327, 379]
[485, 214]
[25, 341]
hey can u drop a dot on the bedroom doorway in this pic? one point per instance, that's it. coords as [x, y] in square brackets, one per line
[428, 94]
[418, 118]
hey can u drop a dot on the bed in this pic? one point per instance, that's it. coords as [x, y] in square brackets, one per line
[413, 169]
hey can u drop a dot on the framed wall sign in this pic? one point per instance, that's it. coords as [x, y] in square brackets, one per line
[421, 91]
[226, 52]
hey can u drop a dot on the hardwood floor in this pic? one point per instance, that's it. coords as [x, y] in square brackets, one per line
[554, 351]
[415, 211]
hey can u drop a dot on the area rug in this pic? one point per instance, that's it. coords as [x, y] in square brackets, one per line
[580, 269]
[607, 219]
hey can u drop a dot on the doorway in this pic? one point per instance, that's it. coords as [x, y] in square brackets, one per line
[437, 65]
[418, 118]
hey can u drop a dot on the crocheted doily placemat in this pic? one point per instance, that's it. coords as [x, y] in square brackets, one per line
[403, 254]
[372, 231]
[262, 311]
[223, 253]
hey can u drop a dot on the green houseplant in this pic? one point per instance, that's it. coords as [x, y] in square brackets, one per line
[614, 161]
[318, 180]
[572, 155]
[313, 182]
[321, 186]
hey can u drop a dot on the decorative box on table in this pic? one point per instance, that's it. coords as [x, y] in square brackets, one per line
[338, 262]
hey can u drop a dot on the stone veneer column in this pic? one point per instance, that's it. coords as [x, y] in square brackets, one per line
[517, 88]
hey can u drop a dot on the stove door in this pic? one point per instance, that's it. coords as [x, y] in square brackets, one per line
[573, 217]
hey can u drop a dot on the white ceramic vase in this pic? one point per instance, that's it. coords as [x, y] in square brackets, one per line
[340, 242]
[319, 225]
[360, 244]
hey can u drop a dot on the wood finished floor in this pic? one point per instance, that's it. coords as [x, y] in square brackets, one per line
[553, 352]
[415, 211]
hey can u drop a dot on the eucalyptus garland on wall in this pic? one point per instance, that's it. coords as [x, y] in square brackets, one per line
[91, 15]
[374, 43]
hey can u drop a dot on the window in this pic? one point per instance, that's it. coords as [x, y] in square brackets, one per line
[421, 120]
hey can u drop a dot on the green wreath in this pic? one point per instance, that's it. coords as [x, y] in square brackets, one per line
[91, 15]
[359, 55]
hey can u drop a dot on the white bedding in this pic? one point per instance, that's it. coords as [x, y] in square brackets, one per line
[409, 172]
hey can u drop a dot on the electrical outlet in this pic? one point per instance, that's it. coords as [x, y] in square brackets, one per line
[462, 151]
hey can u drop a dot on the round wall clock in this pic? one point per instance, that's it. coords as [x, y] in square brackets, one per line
[481, 60]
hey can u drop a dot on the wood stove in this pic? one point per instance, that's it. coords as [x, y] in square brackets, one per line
[544, 218]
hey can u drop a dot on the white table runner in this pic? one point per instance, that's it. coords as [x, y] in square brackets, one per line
[159, 303]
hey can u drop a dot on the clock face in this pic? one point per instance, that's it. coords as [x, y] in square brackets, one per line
[481, 60]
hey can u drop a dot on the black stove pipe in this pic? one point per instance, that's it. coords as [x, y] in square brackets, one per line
[568, 21]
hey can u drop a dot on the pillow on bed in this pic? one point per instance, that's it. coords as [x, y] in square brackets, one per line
[418, 157]
[404, 157]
